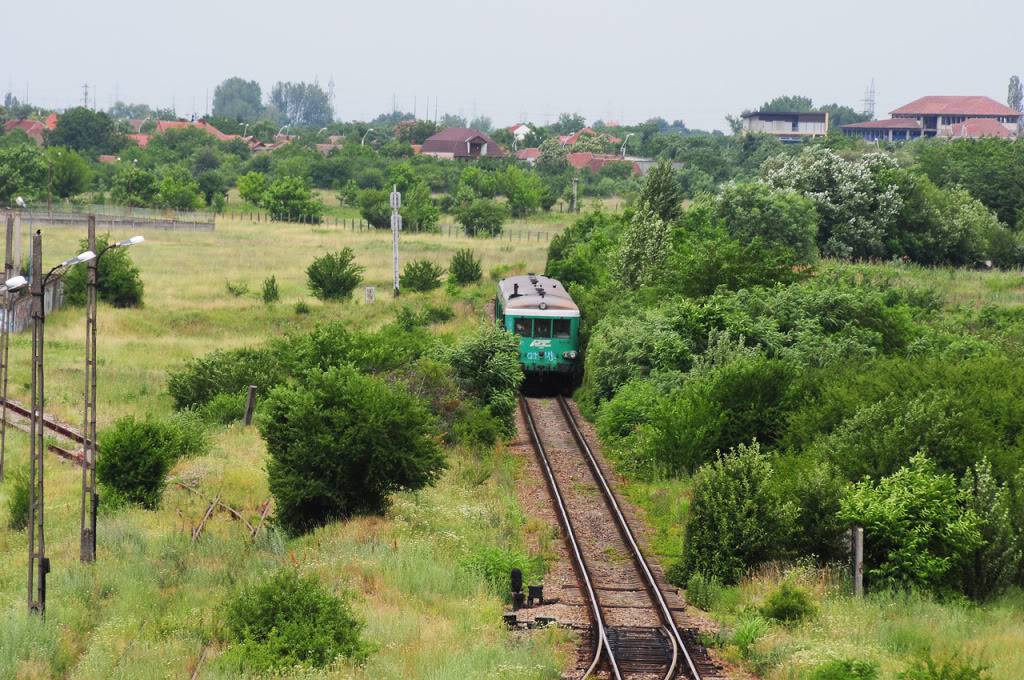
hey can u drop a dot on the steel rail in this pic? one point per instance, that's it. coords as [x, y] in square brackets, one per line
[574, 546]
[627, 534]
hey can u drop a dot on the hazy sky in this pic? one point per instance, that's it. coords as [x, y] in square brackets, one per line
[627, 61]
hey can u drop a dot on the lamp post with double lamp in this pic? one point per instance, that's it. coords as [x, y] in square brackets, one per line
[38, 563]
[8, 289]
[90, 499]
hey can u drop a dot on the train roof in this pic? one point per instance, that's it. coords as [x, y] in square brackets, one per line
[533, 293]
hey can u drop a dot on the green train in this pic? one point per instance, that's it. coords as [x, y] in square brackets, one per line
[542, 314]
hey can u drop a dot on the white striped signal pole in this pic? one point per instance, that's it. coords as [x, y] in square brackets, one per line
[396, 226]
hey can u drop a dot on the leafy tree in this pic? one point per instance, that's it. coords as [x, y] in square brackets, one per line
[302, 104]
[482, 216]
[991, 169]
[482, 123]
[86, 131]
[778, 217]
[22, 173]
[178, 190]
[341, 443]
[486, 364]
[333, 276]
[290, 198]
[419, 212]
[644, 249]
[1015, 94]
[995, 562]
[252, 187]
[451, 120]
[133, 185]
[69, 173]
[788, 104]
[917, 532]
[523, 190]
[238, 99]
[568, 123]
[552, 159]
[118, 279]
[856, 207]
[661, 193]
[839, 115]
[375, 207]
[736, 521]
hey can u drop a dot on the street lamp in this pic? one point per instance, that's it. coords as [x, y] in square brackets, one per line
[363, 141]
[38, 563]
[245, 130]
[10, 286]
[623, 152]
[90, 499]
[283, 128]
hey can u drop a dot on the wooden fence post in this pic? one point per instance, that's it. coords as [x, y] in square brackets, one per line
[250, 405]
[858, 561]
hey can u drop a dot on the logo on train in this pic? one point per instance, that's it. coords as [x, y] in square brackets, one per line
[541, 343]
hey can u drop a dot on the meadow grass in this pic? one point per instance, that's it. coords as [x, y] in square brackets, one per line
[152, 604]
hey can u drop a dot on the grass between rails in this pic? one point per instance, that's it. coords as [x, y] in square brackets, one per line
[151, 605]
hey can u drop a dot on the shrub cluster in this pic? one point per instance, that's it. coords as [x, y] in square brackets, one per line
[118, 280]
[333, 276]
[421, 275]
[464, 268]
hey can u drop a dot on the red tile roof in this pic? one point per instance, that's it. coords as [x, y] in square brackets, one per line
[141, 140]
[32, 128]
[890, 124]
[596, 161]
[528, 153]
[107, 158]
[51, 122]
[955, 106]
[453, 141]
[569, 140]
[165, 125]
[974, 128]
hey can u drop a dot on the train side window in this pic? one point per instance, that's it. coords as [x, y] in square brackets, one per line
[561, 328]
[542, 328]
[523, 328]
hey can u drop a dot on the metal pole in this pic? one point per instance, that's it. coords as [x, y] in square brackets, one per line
[5, 339]
[38, 565]
[575, 182]
[89, 498]
[858, 561]
[396, 226]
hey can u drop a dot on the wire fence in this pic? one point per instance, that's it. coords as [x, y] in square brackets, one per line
[358, 225]
[116, 216]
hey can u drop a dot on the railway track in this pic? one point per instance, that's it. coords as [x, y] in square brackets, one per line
[633, 629]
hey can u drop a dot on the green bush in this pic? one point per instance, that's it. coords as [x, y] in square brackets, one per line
[788, 604]
[487, 367]
[289, 198]
[290, 620]
[227, 372]
[845, 669]
[737, 520]
[465, 268]
[333, 276]
[917, 532]
[224, 408]
[185, 435]
[239, 289]
[953, 668]
[495, 564]
[409, 318]
[748, 631]
[421, 275]
[375, 207]
[478, 426]
[482, 217]
[17, 503]
[270, 293]
[135, 460]
[302, 307]
[118, 281]
[702, 591]
[340, 443]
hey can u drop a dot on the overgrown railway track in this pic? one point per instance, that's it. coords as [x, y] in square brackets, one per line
[634, 632]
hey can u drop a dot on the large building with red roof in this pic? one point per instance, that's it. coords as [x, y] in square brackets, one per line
[461, 143]
[935, 116]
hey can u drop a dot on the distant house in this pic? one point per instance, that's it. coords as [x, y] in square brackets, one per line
[163, 126]
[529, 154]
[140, 139]
[33, 128]
[788, 127]
[519, 131]
[569, 140]
[585, 160]
[942, 116]
[461, 143]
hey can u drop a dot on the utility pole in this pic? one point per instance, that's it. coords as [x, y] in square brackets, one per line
[85, 95]
[575, 183]
[396, 226]
[5, 338]
[90, 500]
[38, 564]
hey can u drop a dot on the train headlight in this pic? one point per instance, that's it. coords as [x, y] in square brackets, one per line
[569, 355]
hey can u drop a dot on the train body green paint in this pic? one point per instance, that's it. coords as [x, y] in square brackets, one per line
[540, 312]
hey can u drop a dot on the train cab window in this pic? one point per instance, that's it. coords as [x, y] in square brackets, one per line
[561, 328]
[542, 328]
[523, 328]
